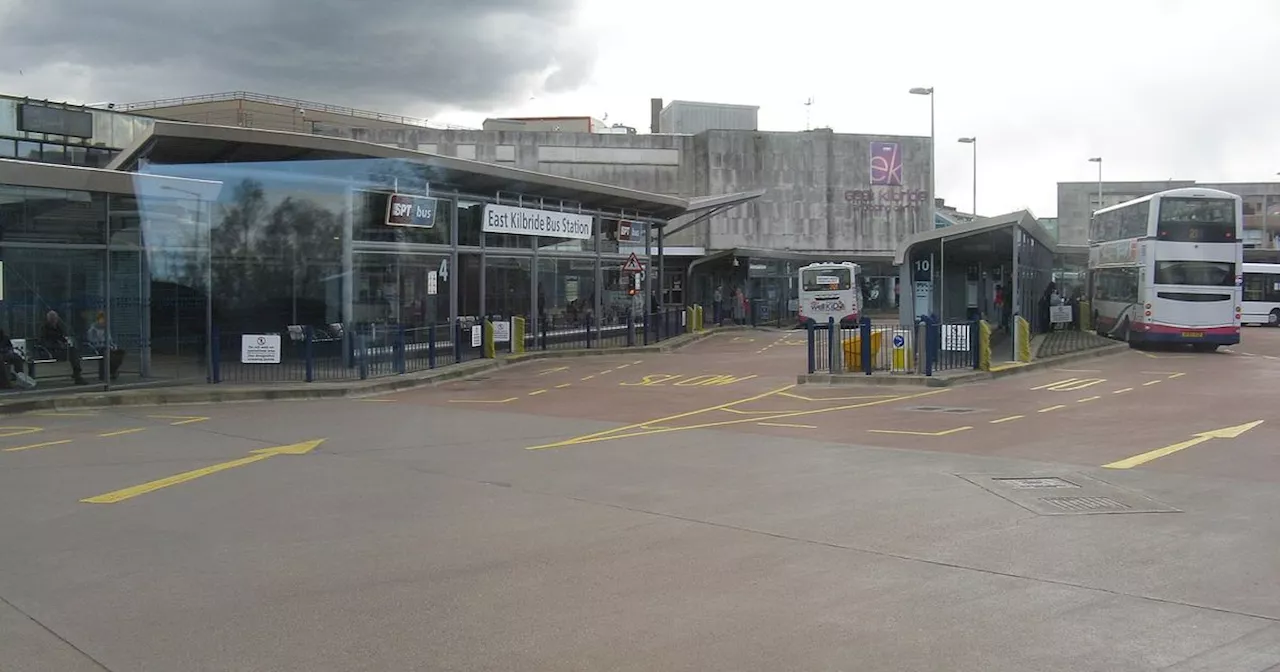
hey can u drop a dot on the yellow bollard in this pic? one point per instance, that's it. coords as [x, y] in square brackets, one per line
[1086, 316]
[984, 346]
[489, 351]
[1022, 332]
[517, 335]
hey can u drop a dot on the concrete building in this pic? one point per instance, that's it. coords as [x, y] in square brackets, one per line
[64, 133]
[547, 124]
[1078, 200]
[822, 195]
[690, 118]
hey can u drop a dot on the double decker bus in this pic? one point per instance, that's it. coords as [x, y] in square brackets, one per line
[1167, 268]
[829, 290]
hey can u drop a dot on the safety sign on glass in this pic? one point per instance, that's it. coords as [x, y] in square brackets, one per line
[433, 286]
[477, 336]
[260, 349]
[501, 332]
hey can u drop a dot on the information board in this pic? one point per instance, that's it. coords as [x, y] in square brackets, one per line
[260, 349]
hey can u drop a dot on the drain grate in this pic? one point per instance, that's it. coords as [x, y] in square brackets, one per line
[1035, 483]
[1085, 504]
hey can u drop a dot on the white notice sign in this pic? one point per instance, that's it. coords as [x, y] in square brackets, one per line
[260, 349]
[477, 336]
[501, 332]
[433, 285]
[530, 222]
[1060, 314]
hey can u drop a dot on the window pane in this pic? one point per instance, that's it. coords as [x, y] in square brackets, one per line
[29, 215]
[8, 148]
[469, 216]
[566, 290]
[29, 150]
[507, 284]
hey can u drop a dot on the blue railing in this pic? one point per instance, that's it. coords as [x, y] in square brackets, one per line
[926, 347]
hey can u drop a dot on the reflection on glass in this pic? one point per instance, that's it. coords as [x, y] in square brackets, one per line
[371, 221]
[506, 288]
[121, 130]
[35, 215]
[469, 279]
[8, 117]
[566, 290]
[469, 222]
[8, 148]
[28, 150]
[400, 289]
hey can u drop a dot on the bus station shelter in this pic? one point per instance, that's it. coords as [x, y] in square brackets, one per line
[956, 273]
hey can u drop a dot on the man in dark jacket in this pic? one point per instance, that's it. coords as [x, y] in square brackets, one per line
[53, 336]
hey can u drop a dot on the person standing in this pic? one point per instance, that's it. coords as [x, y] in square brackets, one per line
[717, 305]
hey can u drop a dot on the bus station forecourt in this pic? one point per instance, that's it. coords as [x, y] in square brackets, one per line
[692, 509]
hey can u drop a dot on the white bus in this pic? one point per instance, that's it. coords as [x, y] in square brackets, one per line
[1166, 268]
[1262, 294]
[829, 290]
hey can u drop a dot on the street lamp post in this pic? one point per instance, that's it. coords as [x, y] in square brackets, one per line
[973, 141]
[1098, 160]
[933, 200]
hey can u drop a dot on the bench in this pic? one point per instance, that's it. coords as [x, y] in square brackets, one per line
[34, 353]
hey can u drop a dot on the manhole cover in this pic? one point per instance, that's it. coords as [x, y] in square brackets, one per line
[1030, 483]
[1085, 504]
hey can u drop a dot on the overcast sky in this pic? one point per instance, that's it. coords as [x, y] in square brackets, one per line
[1182, 89]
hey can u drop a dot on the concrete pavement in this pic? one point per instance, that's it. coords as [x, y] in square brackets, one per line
[689, 510]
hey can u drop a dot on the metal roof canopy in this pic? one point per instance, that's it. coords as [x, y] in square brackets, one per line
[173, 142]
[1020, 219]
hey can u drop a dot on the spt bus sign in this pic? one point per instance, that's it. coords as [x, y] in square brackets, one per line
[413, 211]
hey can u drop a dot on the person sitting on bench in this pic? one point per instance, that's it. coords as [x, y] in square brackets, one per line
[97, 337]
[11, 361]
[53, 336]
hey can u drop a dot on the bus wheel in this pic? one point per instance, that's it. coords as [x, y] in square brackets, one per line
[1204, 347]
[1274, 318]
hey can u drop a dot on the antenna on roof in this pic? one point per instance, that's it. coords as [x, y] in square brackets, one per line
[808, 107]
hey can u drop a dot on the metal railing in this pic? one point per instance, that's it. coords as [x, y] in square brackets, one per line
[289, 102]
[925, 348]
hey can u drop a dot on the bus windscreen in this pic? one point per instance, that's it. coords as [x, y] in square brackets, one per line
[1205, 273]
[1197, 220]
[826, 279]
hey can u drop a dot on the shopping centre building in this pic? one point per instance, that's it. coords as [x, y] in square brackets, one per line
[196, 234]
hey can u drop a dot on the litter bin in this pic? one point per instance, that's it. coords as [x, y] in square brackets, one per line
[853, 351]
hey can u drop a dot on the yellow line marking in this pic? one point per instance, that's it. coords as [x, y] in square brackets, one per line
[622, 366]
[482, 401]
[609, 435]
[588, 377]
[188, 419]
[786, 424]
[1160, 373]
[637, 361]
[1009, 365]
[18, 430]
[1054, 383]
[604, 372]
[1151, 382]
[1224, 433]
[132, 430]
[256, 456]
[37, 445]
[558, 368]
[1176, 375]
[742, 412]
[561, 386]
[68, 414]
[865, 396]
[1008, 419]
[898, 431]
[537, 392]
[121, 432]
[1122, 391]
[1081, 401]
[1051, 408]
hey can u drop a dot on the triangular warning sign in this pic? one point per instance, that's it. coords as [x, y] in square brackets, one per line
[633, 264]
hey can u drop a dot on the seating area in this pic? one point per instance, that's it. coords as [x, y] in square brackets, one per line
[36, 355]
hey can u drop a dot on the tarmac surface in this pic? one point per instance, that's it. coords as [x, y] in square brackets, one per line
[695, 510]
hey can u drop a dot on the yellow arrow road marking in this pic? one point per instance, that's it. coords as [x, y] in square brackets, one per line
[36, 445]
[188, 419]
[897, 431]
[254, 456]
[18, 430]
[1224, 433]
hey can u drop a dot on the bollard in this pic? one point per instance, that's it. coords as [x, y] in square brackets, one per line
[431, 347]
[517, 335]
[542, 331]
[362, 355]
[631, 330]
[833, 343]
[215, 355]
[309, 354]
[809, 328]
[590, 321]
[865, 337]
[644, 324]
[486, 340]
[457, 342]
[401, 365]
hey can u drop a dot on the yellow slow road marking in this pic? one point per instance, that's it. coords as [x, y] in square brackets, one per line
[899, 431]
[1051, 408]
[1008, 419]
[786, 424]
[36, 445]
[256, 456]
[121, 432]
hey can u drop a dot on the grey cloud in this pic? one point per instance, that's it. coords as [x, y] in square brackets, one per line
[388, 54]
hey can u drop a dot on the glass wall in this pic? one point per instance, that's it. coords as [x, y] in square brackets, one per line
[107, 132]
[127, 289]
